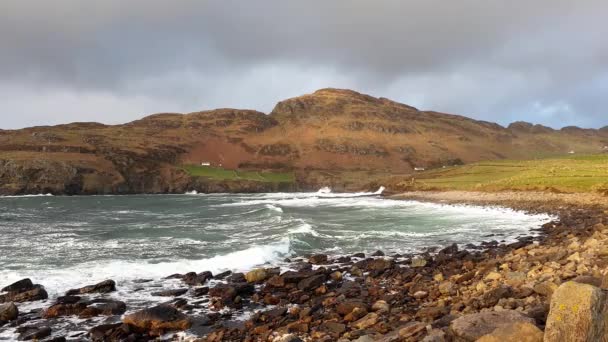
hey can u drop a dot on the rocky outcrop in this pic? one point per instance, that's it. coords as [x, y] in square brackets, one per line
[471, 327]
[578, 313]
[8, 312]
[158, 319]
[521, 332]
[23, 291]
[105, 286]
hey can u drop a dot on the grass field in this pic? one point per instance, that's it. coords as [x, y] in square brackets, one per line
[567, 174]
[219, 173]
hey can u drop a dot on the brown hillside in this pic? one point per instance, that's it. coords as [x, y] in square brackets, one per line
[330, 130]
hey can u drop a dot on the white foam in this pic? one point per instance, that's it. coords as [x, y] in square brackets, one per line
[304, 228]
[193, 192]
[57, 281]
[274, 207]
[33, 195]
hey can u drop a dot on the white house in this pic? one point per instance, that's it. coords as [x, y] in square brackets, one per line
[571, 152]
[205, 164]
[418, 169]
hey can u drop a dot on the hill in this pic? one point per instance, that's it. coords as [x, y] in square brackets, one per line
[331, 137]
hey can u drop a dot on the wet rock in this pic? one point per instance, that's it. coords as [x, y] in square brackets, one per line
[106, 286]
[378, 264]
[103, 332]
[158, 319]
[420, 294]
[194, 279]
[37, 292]
[228, 292]
[256, 275]
[359, 255]
[103, 307]
[200, 291]
[521, 332]
[378, 253]
[19, 286]
[311, 283]
[318, 259]
[222, 275]
[8, 312]
[336, 276]
[170, 293]
[347, 307]
[276, 281]
[473, 326]
[236, 278]
[27, 333]
[577, 313]
[60, 309]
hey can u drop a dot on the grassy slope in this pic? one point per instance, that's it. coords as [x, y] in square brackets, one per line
[219, 173]
[567, 174]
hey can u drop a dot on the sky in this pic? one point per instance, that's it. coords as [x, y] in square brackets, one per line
[542, 61]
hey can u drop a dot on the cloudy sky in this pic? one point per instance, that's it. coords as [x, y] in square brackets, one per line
[544, 61]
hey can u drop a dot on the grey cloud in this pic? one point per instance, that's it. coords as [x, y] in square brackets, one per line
[542, 61]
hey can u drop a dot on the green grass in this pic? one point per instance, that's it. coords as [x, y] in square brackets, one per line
[565, 174]
[219, 173]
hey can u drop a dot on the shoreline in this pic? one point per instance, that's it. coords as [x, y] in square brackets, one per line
[405, 298]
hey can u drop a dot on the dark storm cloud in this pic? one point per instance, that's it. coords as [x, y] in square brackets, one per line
[542, 61]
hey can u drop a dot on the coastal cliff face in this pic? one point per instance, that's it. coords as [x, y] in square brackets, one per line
[320, 136]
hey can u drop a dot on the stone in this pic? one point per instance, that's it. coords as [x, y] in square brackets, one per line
[411, 329]
[493, 276]
[158, 319]
[170, 293]
[106, 286]
[576, 314]
[473, 326]
[336, 276]
[194, 279]
[367, 321]
[347, 307]
[420, 294]
[438, 277]
[37, 292]
[492, 297]
[545, 288]
[364, 338]
[19, 286]
[381, 306]
[36, 333]
[576, 257]
[276, 281]
[520, 331]
[378, 253]
[8, 312]
[256, 275]
[447, 288]
[379, 264]
[435, 335]
[311, 283]
[418, 262]
[333, 327]
[318, 259]
[597, 282]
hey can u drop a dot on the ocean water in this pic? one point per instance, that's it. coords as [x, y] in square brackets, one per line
[69, 242]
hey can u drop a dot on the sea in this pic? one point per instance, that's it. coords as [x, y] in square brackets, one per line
[69, 242]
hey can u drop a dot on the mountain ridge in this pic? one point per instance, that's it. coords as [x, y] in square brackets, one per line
[330, 130]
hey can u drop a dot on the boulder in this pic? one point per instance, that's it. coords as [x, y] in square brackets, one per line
[418, 262]
[158, 319]
[380, 264]
[8, 312]
[473, 326]
[318, 259]
[312, 283]
[106, 286]
[367, 321]
[84, 308]
[194, 279]
[37, 292]
[577, 313]
[32, 332]
[170, 293]
[256, 276]
[19, 286]
[520, 332]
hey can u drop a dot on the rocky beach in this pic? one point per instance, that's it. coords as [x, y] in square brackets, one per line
[547, 286]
